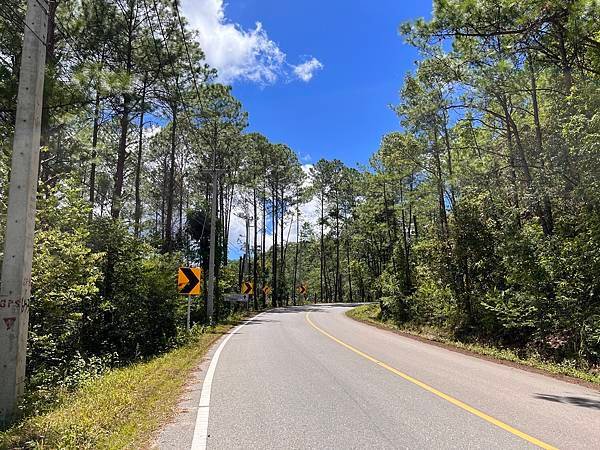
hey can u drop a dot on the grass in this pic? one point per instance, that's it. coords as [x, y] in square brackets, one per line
[119, 410]
[371, 314]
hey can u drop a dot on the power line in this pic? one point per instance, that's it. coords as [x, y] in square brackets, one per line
[187, 51]
[21, 20]
[160, 64]
[63, 31]
[171, 62]
[213, 216]
[65, 34]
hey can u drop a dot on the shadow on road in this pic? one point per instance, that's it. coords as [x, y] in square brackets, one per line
[297, 310]
[571, 400]
[259, 321]
[309, 308]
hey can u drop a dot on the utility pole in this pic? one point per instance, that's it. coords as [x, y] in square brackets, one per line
[247, 266]
[18, 244]
[210, 301]
[294, 290]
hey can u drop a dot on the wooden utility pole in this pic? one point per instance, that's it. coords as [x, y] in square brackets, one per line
[18, 251]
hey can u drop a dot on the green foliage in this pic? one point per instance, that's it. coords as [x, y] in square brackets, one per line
[100, 296]
[481, 217]
[65, 278]
[138, 312]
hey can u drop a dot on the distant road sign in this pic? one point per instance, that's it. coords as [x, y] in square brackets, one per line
[302, 289]
[188, 280]
[247, 288]
[267, 290]
[235, 298]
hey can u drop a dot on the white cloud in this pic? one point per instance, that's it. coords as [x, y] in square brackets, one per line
[238, 53]
[152, 130]
[310, 213]
[305, 157]
[306, 70]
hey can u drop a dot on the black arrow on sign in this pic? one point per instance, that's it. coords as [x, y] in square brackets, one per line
[247, 288]
[193, 280]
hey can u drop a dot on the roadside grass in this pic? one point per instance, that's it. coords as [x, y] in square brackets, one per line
[371, 314]
[119, 410]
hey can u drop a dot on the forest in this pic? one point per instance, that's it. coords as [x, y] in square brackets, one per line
[479, 215]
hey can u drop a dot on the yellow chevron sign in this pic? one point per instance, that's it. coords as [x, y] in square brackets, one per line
[189, 280]
[247, 288]
[267, 290]
[302, 289]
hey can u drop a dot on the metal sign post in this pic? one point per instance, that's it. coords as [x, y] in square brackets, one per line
[189, 281]
[189, 312]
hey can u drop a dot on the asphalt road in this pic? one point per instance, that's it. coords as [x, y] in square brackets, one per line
[311, 378]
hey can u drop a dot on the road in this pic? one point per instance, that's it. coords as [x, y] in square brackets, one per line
[311, 378]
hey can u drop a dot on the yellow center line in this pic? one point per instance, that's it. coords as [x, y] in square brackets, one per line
[440, 394]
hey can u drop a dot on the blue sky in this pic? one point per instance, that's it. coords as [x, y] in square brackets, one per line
[317, 75]
[342, 111]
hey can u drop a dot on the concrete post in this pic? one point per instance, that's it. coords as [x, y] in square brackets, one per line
[18, 245]
[210, 302]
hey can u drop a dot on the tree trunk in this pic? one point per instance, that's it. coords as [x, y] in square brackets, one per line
[138, 166]
[282, 251]
[527, 173]
[95, 130]
[337, 293]
[449, 162]
[391, 227]
[322, 253]
[163, 197]
[264, 245]
[117, 199]
[349, 271]
[564, 60]
[168, 245]
[405, 242]
[49, 87]
[547, 218]
[255, 260]
[441, 191]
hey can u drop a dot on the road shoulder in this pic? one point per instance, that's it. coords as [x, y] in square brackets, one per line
[465, 351]
[178, 432]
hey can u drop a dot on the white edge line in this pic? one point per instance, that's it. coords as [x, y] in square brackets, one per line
[199, 442]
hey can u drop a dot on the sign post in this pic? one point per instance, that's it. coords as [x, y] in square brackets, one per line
[303, 290]
[188, 283]
[189, 312]
[247, 288]
[247, 291]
